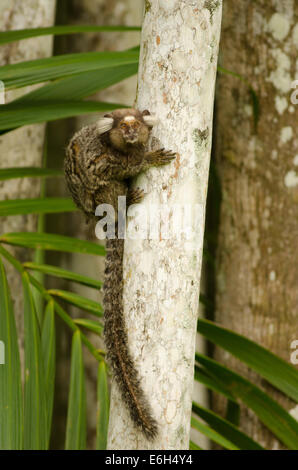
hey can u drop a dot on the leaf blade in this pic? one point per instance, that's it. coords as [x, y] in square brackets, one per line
[64, 274]
[103, 407]
[17, 35]
[48, 339]
[49, 241]
[18, 114]
[226, 429]
[28, 172]
[274, 369]
[41, 70]
[278, 420]
[78, 301]
[11, 412]
[35, 420]
[202, 376]
[212, 435]
[194, 446]
[91, 325]
[36, 206]
[76, 415]
[79, 86]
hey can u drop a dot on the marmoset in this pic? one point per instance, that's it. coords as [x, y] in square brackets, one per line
[100, 160]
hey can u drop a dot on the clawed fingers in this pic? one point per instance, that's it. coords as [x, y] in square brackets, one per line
[161, 157]
[168, 153]
[139, 192]
[167, 156]
[135, 196]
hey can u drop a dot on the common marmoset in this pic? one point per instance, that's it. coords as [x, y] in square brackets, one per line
[100, 159]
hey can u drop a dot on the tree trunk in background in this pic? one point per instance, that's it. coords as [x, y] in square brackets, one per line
[162, 276]
[257, 268]
[24, 146]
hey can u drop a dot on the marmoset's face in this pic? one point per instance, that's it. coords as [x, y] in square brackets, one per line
[129, 128]
[129, 131]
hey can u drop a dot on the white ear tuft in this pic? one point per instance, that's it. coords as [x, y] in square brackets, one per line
[104, 124]
[150, 120]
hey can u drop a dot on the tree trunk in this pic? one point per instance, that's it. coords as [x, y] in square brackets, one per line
[162, 273]
[24, 146]
[257, 268]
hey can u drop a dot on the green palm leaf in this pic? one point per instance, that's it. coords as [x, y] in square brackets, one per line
[36, 206]
[48, 339]
[50, 68]
[202, 376]
[91, 325]
[35, 418]
[226, 429]
[79, 301]
[10, 36]
[76, 416]
[11, 415]
[21, 114]
[77, 87]
[278, 420]
[49, 241]
[193, 446]
[103, 407]
[274, 369]
[64, 274]
[25, 172]
[212, 435]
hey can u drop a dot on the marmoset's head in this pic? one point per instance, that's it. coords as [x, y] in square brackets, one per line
[127, 127]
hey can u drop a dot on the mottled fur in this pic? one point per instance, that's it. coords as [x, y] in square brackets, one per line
[97, 168]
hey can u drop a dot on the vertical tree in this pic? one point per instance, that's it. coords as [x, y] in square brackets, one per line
[162, 274]
[24, 146]
[257, 253]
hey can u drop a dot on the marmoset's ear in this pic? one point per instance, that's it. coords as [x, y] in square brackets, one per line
[150, 119]
[146, 113]
[105, 124]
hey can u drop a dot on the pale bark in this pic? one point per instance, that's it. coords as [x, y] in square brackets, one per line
[24, 146]
[257, 255]
[162, 276]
